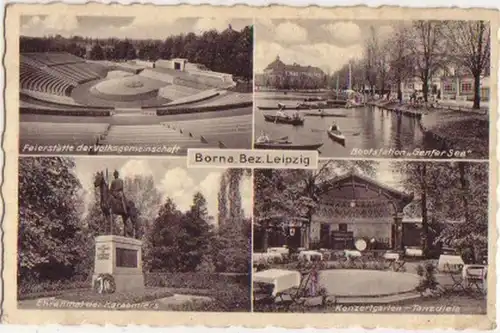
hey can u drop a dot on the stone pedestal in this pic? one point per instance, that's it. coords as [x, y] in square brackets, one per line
[120, 257]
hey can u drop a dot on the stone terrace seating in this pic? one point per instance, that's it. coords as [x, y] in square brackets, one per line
[62, 133]
[232, 132]
[38, 80]
[58, 99]
[53, 58]
[78, 73]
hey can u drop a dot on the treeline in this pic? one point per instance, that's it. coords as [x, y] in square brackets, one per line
[229, 51]
[288, 82]
[421, 50]
[56, 243]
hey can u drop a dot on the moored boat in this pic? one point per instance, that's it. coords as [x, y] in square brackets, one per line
[337, 136]
[325, 115]
[284, 120]
[287, 145]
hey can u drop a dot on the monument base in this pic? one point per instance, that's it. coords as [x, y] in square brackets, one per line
[119, 257]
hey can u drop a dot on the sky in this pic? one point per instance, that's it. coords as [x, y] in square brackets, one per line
[139, 27]
[326, 44]
[172, 178]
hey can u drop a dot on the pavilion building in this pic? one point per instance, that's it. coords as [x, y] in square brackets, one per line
[354, 206]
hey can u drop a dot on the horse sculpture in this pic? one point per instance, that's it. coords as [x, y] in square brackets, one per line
[111, 205]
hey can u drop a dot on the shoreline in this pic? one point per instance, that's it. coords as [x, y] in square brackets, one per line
[459, 129]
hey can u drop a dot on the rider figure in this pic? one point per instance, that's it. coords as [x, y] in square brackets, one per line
[116, 190]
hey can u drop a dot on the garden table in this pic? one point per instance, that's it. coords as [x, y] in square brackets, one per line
[413, 252]
[281, 250]
[264, 258]
[311, 255]
[281, 280]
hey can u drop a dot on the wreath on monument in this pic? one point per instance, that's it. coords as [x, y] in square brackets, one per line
[104, 284]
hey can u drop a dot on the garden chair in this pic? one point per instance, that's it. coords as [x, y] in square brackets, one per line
[474, 277]
[455, 272]
[393, 261]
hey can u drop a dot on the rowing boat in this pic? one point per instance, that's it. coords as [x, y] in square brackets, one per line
[325, 115]
[337, 136]
[268, 108]
[287, 145]
[284, 120]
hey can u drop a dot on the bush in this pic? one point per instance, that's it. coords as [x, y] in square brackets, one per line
[192, 280]
[427, 273]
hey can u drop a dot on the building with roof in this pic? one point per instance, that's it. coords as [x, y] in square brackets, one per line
[354, 206]
[284, 76]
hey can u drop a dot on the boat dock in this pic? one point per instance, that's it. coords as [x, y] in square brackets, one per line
[400, 109]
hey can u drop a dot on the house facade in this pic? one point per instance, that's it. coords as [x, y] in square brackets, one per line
[285, 76]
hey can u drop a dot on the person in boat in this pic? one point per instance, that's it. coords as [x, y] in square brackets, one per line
[263, 138]
[334, 127]
[320, 111]
[281, 113]
[296, 115]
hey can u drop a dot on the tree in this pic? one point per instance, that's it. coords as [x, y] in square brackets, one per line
[371, 55]
[96, 53]
[222, 200]
[162, 245]
[51, 238]
[196, 236]
[453, 193]
[400, 62]
[427, 51]
[469, 46]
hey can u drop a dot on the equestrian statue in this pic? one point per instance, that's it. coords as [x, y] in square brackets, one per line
[113, 202]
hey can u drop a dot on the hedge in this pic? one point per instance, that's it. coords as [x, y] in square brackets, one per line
[165, 112]
[66, 112]
[32, 290]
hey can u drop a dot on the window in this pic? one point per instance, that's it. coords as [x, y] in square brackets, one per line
[343, 227]
[448, 87]
[467, 87]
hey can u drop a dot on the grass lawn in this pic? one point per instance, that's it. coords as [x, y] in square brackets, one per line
[136, 296]
[461, 131]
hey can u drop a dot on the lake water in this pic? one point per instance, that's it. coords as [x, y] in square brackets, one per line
[364, 128]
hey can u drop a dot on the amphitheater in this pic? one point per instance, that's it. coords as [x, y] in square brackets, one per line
[65, 99]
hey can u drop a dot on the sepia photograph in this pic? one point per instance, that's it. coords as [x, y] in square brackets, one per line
[372, 236]
[373, 88]
[132, 234]
[134, 85]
